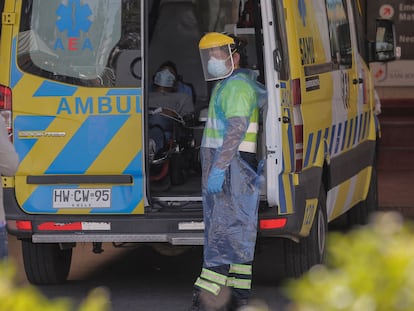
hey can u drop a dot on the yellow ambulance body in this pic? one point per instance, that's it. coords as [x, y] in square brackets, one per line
[75, 81]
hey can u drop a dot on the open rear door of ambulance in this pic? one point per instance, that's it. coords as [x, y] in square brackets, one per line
[273, 64]
[78, 121]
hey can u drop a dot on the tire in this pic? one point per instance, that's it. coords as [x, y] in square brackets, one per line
[360, 213]
[46, 264]
[309, 251]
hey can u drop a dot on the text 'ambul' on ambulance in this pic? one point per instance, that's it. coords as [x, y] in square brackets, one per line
[76, 89]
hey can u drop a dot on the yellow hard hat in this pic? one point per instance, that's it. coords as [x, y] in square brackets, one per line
[214, 39]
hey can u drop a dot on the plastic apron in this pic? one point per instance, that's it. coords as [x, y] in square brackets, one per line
[230, 216]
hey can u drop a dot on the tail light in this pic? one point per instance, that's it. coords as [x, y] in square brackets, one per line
[297, 101]
[6, 108]
[277, 223]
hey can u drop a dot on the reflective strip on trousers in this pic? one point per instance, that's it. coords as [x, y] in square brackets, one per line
[213, 276]
[241, 269]
[239, 283]
[208, 286]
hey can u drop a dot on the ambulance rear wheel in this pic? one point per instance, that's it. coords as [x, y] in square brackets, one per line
[46, 264]
[309, 251]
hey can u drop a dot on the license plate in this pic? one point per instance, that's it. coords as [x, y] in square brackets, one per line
[82, 198]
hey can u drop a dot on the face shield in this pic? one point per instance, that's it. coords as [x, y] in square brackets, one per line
[217, 62]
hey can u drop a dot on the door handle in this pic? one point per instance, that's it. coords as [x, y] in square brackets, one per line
[358, 81]
[285, 119]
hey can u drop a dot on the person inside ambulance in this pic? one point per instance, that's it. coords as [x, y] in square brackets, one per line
[179, 86]
[166, 107]
[230, 186]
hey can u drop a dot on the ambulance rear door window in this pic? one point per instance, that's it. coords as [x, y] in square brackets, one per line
[78, 42]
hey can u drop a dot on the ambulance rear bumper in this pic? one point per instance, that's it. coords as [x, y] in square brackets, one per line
[174, 239]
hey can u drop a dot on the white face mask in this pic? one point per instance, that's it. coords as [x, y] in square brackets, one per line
[217, 67]
[164, 78]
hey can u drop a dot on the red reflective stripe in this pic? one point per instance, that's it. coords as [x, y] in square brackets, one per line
[5, 98]
[297, 101]
[6, 108]
[299, 147]
[272, 223]
[55, 226]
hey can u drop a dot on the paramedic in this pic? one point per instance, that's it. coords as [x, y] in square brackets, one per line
[165, 104]
[9, 162]
[229, 178]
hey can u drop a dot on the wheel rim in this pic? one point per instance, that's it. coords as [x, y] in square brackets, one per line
[321, 233]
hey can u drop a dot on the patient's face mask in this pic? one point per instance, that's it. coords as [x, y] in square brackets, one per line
[217, 67]
[164, 78]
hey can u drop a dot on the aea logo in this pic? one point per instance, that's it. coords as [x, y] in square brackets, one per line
[302, 11]
[73, 18]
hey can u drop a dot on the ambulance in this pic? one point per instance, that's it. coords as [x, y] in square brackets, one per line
[75, 81]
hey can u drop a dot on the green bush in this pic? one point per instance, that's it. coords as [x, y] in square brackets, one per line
[370, 268]
[28, 297]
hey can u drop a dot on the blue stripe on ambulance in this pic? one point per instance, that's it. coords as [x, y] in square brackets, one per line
[16, 74]
[344, 137]
[282, 197]
[365, 125]
[318, 143]
[339, 131]
[338, 136]
[350, 132]
[332, 138]
[117, 92]
[308, 150]
[49, 88]
[99, 129]
[282, 191]
[366, 118]
[356, 130]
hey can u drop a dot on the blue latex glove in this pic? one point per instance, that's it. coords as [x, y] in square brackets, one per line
[215, 180]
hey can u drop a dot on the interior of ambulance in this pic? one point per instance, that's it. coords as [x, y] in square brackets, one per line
[175, 28]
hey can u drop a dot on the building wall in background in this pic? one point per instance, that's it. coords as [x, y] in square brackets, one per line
[399, 73]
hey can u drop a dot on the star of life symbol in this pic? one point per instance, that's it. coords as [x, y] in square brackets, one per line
[73, 18]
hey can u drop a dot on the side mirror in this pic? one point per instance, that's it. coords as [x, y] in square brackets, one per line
[383, 49]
